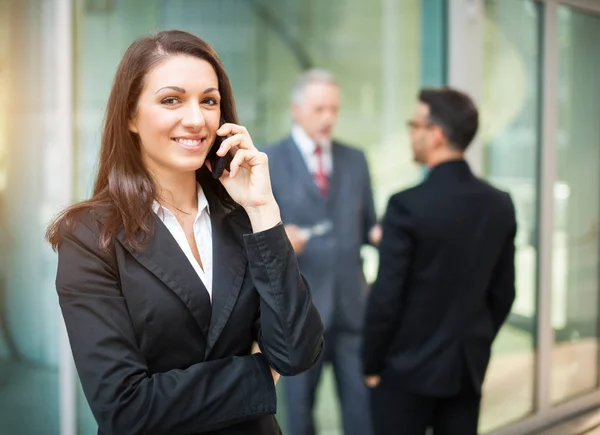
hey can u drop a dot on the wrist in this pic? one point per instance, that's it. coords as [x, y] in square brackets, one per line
[264, 217]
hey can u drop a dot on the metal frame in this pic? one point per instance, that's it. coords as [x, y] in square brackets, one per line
[465, 72]
[545, 333]
[465, 59]
[65, 147]
[591, 6]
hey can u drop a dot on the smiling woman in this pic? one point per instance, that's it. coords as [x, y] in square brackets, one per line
[181, 293]
[177, 123]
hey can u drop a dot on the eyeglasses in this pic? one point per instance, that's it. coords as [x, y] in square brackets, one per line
[415, 125]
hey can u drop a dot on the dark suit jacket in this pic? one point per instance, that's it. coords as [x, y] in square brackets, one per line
[331, 263]
[156, 357]
[445, 283]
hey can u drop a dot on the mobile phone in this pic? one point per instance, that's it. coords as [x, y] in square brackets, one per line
[218, 163]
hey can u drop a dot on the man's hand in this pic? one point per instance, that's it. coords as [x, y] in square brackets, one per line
[256, 349]
[372, 381]
[275, 375]
[297, 238]
[375, 235]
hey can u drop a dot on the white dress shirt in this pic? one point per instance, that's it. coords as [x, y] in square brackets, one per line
[307, 148]
[202, 235]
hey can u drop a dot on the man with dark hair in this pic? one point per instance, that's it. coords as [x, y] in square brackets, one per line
[445, 283]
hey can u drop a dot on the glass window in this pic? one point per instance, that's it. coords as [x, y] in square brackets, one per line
[577, 207]
[434, 41]
[29, 317]
[374, 48]
[510, 119]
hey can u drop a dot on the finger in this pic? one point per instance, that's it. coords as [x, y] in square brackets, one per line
[229, 143]
[249, 157]
[233, 129]
[230, 128]
[238, 160]
[370, 381]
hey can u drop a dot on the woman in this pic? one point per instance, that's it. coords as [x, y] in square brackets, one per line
[161, 343]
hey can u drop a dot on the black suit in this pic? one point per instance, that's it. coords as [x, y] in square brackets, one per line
[156, 357]
[445, 286]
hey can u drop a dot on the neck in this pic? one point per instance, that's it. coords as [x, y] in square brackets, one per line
[445, 155]
[178, 190]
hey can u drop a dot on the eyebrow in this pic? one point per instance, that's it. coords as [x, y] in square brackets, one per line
[182, 91]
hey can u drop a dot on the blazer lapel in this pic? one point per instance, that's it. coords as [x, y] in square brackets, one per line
[229, 265]
[299, 171]
[165, 259]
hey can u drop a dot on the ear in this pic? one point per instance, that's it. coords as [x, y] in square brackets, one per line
[295, 110]
[132, 125]
[438, 135]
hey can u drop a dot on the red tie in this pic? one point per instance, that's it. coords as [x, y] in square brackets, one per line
[320, 176]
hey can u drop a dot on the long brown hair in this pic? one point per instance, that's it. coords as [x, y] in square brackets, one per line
[124, 190]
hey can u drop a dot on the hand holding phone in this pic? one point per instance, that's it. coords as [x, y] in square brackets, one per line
[248, 182]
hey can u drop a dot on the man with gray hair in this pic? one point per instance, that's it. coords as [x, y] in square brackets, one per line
[323, 189]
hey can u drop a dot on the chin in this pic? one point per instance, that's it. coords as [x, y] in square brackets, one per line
[190, 165]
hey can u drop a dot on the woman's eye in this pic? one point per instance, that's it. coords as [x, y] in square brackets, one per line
[169, 101]
[210, 101]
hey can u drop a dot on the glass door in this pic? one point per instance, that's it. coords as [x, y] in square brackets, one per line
[577, 207]
[510, 117]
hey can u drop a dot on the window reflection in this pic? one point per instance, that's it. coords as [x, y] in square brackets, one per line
[511, 135]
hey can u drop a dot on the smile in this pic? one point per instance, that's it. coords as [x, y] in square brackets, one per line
[190, 144]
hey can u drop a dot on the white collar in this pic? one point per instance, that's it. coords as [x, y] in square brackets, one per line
[202, 204]
[305, 143]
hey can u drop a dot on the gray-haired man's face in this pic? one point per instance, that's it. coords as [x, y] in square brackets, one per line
[317, 111]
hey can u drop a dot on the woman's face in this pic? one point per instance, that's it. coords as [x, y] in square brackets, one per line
[177, 115]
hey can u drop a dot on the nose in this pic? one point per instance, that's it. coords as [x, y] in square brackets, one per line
[193, 118]
[330, 116]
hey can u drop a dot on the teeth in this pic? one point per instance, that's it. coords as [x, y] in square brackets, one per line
[189, 142]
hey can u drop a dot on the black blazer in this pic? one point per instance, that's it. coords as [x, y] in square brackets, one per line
[156, 357]
[445, 283]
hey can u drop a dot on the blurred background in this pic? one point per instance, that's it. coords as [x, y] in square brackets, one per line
[532, 66]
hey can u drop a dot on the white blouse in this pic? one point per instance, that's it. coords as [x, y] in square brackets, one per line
[202, 235]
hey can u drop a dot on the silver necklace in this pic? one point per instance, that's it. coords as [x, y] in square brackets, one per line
[176, 208]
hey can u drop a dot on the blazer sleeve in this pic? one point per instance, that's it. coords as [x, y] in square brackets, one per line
[125, 398]
[501, 293]
[291, 331]
[388, 292]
